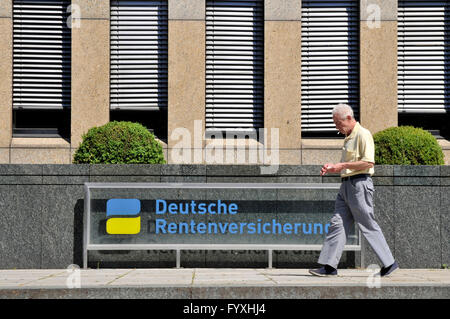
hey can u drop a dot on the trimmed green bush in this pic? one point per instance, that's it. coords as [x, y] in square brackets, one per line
[119, 143]
[407, 145]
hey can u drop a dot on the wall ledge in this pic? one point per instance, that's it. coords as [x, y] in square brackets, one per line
[22, 142]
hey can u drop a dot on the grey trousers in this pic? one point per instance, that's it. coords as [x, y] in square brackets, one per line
[354, 203]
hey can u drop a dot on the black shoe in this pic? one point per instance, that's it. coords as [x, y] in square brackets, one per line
[323, 272]
[386, 271]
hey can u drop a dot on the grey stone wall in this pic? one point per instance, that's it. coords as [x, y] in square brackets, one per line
[41, 209]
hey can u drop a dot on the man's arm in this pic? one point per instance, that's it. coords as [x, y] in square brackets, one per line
[357, 166]
[336, 168]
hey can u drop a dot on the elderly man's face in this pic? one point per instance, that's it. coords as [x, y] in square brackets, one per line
[343, 125]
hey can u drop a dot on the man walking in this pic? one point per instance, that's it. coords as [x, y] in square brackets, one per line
[355, 199]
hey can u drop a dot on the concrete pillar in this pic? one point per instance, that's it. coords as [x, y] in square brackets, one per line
[282, 77]
[6, 37]
[378, 64]
[90, 67]
[186, 82]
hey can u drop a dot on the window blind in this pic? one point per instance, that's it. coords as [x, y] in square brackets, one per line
[234, 65]
[330, 61]
[41, 54]
[423, 56]
[139, 55]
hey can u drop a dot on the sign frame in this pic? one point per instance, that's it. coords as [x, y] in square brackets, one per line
[178, 247]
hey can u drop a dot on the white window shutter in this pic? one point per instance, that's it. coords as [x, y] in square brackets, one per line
[41, 54]
[138, 55]
[330, 61]
[234, 65]
[423, 57]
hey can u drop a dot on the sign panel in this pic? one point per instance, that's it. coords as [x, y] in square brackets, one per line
[209, 216]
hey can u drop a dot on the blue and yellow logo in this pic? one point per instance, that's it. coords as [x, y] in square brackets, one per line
[126, 224]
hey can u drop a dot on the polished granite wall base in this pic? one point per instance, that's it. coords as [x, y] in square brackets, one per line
[42, 215]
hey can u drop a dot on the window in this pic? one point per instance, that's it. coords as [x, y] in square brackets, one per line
[41, 68]
[139, 63]
[234, 66]
[423, 65]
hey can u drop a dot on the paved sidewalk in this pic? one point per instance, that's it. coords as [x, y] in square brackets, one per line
[187, 283]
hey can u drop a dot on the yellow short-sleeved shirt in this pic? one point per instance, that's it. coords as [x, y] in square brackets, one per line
[358, 146]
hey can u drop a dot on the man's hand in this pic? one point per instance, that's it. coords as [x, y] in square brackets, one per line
[331, 168]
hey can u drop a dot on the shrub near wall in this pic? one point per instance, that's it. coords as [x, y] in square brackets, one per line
[119, 143]
[407, 145]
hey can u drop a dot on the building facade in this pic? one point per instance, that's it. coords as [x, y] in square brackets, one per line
[257, 77]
